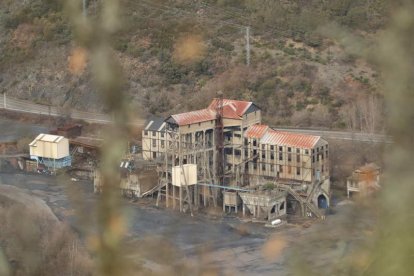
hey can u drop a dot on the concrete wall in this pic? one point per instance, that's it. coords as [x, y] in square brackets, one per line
[53, 150]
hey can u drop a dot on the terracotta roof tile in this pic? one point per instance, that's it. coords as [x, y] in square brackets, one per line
[231, 110]
[193, 117]
[256, 131]
[296, 140]
[240, 107]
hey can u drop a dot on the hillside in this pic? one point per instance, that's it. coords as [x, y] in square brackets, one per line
[177, 54]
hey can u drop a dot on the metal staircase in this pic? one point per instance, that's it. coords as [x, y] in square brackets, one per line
[304, 202]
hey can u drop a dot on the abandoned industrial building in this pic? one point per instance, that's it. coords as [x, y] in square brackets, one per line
[365, 180]
[235, 155]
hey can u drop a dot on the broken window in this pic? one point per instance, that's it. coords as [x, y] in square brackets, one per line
[297, 170]
[306, 151]
[272, 147]
[282, 206]
[254, 142]
[289, 157]
[289, 149]
[272, 156]
[154, 155]
[237, 152]
[146, 133]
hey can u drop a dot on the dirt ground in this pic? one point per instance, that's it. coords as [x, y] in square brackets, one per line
[225, 244]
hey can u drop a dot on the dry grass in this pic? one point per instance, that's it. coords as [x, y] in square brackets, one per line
[34, 243]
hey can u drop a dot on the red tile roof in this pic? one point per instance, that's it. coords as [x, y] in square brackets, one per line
[283, 138]
[256, 131]
[231, 110]
[240, 107]
[193, 117]
[296, 140]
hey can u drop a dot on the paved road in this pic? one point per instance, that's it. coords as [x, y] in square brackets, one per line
[9, 103]
[343, 135]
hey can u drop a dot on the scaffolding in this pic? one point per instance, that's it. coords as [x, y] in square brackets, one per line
[182, 149]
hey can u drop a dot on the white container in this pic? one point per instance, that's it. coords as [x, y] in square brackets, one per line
[276, 221]
[184, 175]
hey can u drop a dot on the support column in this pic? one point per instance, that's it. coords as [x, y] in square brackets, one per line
[181, 198]
[174, 197]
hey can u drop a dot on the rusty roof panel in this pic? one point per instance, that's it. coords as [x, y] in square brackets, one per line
[232, 109]
[193, 117]
[239, 107]
[256, 131]
[275, 137]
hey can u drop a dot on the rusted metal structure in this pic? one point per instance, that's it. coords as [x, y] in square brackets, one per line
[219, 139]
[232, 149]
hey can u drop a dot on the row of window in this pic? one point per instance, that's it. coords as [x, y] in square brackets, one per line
[154, 133]
[289, 169]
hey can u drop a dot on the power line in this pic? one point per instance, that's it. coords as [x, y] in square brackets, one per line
[227, 12]
[169, 8]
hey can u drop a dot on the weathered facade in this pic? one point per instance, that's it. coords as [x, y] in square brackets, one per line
[153, 139]
[51, 151]
[228, 136]
[364, 180]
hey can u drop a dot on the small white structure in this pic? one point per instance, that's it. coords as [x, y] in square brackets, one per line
[184, 175]
[50, 150]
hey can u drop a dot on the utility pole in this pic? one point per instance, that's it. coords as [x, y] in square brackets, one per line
[248, 46]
